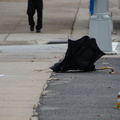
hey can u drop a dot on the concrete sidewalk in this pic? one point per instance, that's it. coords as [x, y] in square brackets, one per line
[76, 95]
[23, 75]
[23, 54]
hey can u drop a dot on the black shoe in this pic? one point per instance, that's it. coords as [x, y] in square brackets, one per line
[38, 30]
[32, 28]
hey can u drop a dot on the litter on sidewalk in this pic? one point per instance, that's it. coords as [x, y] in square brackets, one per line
[80, 55]
[1, 75]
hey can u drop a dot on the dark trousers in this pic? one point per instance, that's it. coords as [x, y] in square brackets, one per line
[33, 6]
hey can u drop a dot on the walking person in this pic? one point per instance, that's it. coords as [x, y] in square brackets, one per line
[33, 6]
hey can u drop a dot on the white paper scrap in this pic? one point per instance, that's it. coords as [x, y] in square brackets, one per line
[1, 75]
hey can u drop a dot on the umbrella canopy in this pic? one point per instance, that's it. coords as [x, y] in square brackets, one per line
[80, 55]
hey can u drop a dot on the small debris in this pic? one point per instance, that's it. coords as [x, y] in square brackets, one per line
[2, 75]
[105, 63]
[33, 118]
[109, 87]
[39, 70]
[118, 100]
[44, 93]
[111, 72]
[53, 74]
[54, 79]
[46, 85]
[101, 115]
[74, 77]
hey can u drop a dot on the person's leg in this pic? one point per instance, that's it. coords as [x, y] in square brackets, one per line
[31, 12]
[39, 20]
[31, 22]
[39, 16]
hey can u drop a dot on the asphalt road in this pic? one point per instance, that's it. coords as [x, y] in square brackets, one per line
[83, 96]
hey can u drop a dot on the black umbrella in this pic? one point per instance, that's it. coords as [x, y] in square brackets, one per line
[80, 55]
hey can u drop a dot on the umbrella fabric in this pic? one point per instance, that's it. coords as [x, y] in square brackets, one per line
[80, 55]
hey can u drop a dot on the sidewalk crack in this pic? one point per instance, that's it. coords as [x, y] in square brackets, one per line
[6, 37]
[72, 28]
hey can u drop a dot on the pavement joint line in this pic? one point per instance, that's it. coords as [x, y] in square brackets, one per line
[75, 18]
[6, 37]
